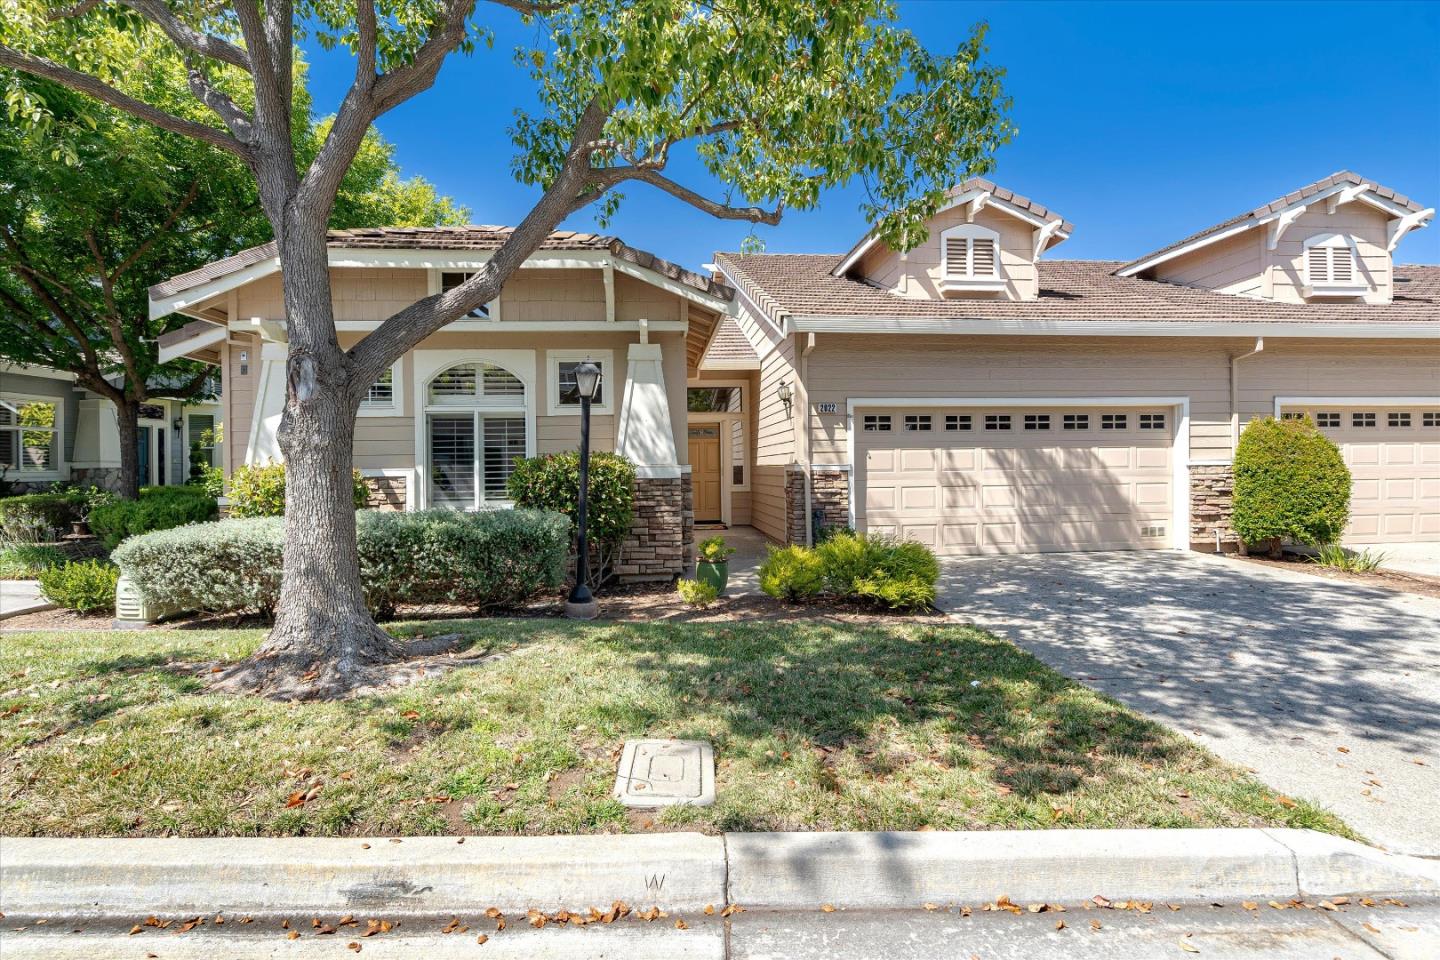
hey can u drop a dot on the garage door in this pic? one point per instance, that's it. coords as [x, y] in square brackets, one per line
[1017, 480]
[1394, 459]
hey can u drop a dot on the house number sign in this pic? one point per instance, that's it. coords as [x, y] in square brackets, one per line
[828, 406]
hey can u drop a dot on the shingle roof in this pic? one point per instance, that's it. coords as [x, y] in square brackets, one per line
[482, 237]
[802, 285]
[1265, 209]
[730, 343]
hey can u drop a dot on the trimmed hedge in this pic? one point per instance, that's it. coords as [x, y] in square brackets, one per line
[480, 560]
[259, 491]
[891, 573]
[1291, 483]
[39, 516]
[159, 508]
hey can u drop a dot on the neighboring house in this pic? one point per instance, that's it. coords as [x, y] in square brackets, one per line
[975, 397]
[968, 394]
[53, 430]
[443, 427]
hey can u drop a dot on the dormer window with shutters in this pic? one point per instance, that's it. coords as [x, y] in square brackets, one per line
[1332, 267]
[970, 259]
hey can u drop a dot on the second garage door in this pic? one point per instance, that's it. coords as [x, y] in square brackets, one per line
[1017, 480]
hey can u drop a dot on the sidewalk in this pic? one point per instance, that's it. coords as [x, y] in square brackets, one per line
[21, 596]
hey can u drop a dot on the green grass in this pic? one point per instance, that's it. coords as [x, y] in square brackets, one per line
[815, 726]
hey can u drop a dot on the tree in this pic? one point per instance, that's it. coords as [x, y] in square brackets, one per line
[97, 205]
[777, 100]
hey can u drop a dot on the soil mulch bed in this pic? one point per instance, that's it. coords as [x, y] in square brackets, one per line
[1384, 579]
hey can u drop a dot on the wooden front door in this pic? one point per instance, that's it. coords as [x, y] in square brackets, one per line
[705, 472]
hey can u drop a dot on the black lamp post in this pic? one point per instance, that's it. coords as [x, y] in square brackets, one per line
[581, 605]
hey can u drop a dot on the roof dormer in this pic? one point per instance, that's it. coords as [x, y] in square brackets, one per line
[983, 243]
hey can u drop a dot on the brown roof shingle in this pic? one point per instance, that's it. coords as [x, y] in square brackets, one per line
[1265, 209]
[730, 343]
[802, 285]
[483, 237]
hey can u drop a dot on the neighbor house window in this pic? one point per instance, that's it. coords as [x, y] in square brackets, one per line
[970, 253]
[449, 281]
[565, 395]
[1330, 265]
[29, 436]
[202, 436]
[476, 421]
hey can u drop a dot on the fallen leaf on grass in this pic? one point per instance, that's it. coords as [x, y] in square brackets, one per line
[482, 938]
[1189, 947]
[710, 910]
[1059, 924]
[293, 935]
[827, 908]
[1095, 924]
[353, 945]
[681, 925]
[136, 929]
[1372, 929]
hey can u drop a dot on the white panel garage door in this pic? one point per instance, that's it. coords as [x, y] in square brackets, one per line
[1394, 458]
[1017, 480]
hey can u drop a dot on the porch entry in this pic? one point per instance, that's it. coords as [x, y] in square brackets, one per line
[705, 472]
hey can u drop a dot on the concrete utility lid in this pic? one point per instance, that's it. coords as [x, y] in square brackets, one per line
[664, 773]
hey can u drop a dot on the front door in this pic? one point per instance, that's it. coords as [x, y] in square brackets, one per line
[705, 472]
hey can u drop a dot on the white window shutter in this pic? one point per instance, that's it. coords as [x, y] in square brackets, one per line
[1318, 264]
[982, 251]
[1342, 265]
[956, 257]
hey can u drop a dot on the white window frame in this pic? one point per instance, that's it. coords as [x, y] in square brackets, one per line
[397, 391]
[59, 467]
[553, 359]
[969, 280]
[1325, 286]
[429, 363]
[435, 284]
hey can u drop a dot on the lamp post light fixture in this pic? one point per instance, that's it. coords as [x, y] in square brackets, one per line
[581, 605]
[782, 390]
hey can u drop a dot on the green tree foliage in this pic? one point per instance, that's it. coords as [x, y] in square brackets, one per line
[1291, 483]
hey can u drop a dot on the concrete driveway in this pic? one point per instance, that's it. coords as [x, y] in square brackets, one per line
[1272, 669]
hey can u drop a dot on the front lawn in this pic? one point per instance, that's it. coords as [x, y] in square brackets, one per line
[816, 726]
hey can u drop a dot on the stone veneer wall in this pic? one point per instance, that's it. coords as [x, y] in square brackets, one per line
[106, 478]
[830, 494]
[1212, 490]
[386, 493]
[662, 536]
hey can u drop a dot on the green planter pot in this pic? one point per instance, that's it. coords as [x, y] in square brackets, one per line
[715, 574]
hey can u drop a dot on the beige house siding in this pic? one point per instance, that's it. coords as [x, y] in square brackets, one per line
[1236, 265]
[775, 439]
[239, 394]
[1337, 368]
[918, 274]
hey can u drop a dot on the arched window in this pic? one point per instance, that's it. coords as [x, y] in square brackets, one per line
[475, 423]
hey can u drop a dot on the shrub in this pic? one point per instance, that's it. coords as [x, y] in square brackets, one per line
[792, 573]
[159, 508]
[259, 491]
[480, 560]
[1290, 483]
[898, 574]
[697, 593]
[40, 517]
[1336, 556]
[84, 586]
[714, 550]
[24, 561]
[552, 482]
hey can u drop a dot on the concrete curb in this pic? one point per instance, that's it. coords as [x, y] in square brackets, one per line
[686, 871]
[20, 612]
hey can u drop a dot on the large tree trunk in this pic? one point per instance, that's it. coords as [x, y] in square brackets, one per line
[127, 420]
[325, 642]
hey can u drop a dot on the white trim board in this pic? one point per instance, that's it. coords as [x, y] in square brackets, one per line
[1281, 402]
[1180, 452]
[608, 381]
[1279, 329]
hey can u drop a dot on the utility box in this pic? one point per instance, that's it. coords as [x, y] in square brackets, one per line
[133, 610]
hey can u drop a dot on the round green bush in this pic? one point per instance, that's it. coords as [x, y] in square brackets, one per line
[259, 491]
[83, 587]
[552, 482]
[792, 573]
[1291, 483]
[159, 508]
[897, 574]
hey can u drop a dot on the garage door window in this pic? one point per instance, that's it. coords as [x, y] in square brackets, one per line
[917, 421]
[1327, 419]
[1077, 421]
[1431, 420]
[1114, 421]
[1398, 420]
[957, 421]
[1362, 419]
[1152, 421]
[1037, 421]
[874, 422]
[997, 421]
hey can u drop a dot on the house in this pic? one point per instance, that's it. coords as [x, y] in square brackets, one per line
[982, 398]
[972, 393]
[53, 430]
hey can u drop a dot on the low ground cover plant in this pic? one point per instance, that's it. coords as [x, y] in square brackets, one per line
[85, 586]
[480, 560]
[697, 593]
[817, 726]
[24, 561]
[1351, 561]
[1291, 484]
[159, 508]
[259, 490]
[890, 573]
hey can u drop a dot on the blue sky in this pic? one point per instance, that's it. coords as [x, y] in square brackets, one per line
[1140, 122]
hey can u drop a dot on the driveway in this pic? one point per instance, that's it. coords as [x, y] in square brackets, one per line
[1271, 669]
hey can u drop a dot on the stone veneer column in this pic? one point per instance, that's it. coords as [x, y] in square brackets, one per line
[829, 493]
[1212, 502]
[662, 535]
[386, 493]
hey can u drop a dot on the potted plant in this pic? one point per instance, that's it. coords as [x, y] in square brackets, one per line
[712, 564]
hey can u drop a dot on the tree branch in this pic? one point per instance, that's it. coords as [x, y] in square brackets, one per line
[134, 384]
[365, 43]
[186, 37]
[219, 103]
[715, 208]
[94, 87]
[31, 279]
